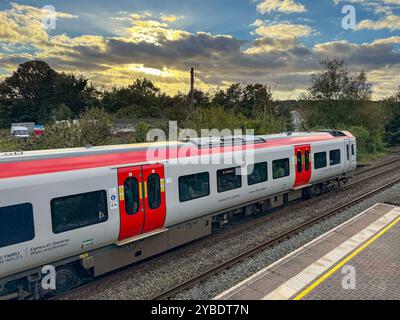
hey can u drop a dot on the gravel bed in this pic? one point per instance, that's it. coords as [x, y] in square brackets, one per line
[152, 277]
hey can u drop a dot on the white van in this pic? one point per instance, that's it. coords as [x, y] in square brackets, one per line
[20, 132]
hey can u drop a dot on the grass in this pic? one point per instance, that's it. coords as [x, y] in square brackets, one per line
[364, 158]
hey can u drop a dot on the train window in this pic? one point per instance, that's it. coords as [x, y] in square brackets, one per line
[334, 157]
[16, 224]
[78, 211]
[194, 186]
[320, 160]
[307, 155]
[229, 179]
[281, 168]
[348, 152]
[154, 191]
[299, 163]
[131, 192]
[258, 173]
[352, 150]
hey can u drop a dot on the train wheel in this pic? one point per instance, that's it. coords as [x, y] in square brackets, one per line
[66, 279]
[316, 190]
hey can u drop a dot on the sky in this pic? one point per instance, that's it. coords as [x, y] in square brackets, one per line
[275, 42]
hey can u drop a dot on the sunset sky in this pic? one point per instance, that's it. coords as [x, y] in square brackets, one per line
[276, 42]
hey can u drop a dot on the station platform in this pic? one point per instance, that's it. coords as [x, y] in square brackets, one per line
[358, 260]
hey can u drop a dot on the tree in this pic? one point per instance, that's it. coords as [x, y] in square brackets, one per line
[141, 130]
[143, 98]
[35, 89]
[27, 92]
[336, 95]
[94, 127]
[231, 98]
[61, 112]
[392, 129]
[257, 101]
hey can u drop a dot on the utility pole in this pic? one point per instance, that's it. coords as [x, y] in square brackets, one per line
[191, 105]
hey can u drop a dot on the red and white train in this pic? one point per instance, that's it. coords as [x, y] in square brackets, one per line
[88, 211]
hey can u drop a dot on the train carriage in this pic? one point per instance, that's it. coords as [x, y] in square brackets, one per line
[89, 211]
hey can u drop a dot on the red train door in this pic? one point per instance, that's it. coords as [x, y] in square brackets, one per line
[302, 155]
[131, 206]
[154, 197]
[141, 199]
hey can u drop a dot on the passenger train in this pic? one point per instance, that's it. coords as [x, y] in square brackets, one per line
[89, 211]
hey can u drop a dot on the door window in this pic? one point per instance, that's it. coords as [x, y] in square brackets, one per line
[131, 191]
[299, 164]
[154, 191]
[307, 160]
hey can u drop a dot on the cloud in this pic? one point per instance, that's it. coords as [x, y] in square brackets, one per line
[170, 18]
[390, 2]
[23, 24]
[391, 22]
[391, 40]
[284, 6]
[283, 31]
[150, 47]
[276, 37]
[367, 55]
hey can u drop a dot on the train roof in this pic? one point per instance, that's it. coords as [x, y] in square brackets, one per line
[13, 164]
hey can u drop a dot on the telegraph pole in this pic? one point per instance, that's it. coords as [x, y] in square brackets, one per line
[191, 103]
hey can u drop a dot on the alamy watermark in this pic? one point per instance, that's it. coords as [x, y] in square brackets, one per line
[49, 277]
[349, 21]
[49, 18]
[231, 147]
[349, 280]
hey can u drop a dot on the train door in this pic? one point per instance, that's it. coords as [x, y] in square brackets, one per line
[141, 199]
[353, 154]
[303, 165]
[347, 161]
[131, 206]
[154, 195]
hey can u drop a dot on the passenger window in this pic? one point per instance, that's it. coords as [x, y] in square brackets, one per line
[280, 168]
[229, 179]
[307, 155]
[320, 160]
[334, 157]
[299, 163]
[258, 173]
[16, 224]
[131, 192]
[154, 191]
[194, 186]
[352, 150]
[348, 152]
[78, 211]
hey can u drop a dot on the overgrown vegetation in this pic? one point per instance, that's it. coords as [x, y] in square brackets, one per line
[340, 100]
[76, 114]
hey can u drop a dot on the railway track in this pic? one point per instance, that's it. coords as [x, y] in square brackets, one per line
[197, 279]
[376, 167]
[169, 293]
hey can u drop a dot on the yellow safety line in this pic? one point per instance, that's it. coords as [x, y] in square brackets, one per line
[345, 260]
